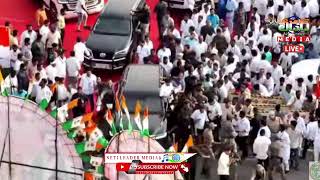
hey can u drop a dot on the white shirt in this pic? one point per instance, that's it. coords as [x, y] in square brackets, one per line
[53, 37]
[301, 125]
[166, 91]
[224, 164]
[88, 84]
[246, 5]
[80, 50]
[288, 10]
[223, 92]
[276, 73]
[243, 126]
[184, 28]
[295, 136]
[266, 130]
[164, 52]
[11, 82]
[269, 83]
[214, 110]
[305, 12]
[316, 142]
[313, 8]
[73, 67]
[266, 40]
[80, 4]
[261, 5]
[167, 67]
[61, 66]
[199, 118]
[312, 128]
[285, 60]
[261, 146]
[264, 91]
[44, 31]
[25, 34]
[143, 51]
[43, 93]
[51, 72]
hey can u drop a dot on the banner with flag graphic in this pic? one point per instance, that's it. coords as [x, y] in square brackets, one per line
[137, 118]
[188, 144]
[145, 122]
[4, 47]
[126, 111]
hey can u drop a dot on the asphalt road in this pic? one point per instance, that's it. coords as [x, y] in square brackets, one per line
[246, 169]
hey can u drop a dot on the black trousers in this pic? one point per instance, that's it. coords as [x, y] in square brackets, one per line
[294, 158]
[307, 144]
[224, 177]
[91, 100]
[242, 142]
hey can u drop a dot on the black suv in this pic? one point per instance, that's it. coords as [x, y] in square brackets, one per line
[114, 35]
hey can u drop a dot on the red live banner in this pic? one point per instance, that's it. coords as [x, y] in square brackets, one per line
[153, 167]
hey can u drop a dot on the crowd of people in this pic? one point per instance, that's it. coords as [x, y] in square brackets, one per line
[223, 56]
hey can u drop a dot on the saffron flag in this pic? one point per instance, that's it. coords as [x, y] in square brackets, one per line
[137, 117]
[119, 113]
[110, 120]
[188, 144]
[126, 111]
[145, 122]
[88, 176]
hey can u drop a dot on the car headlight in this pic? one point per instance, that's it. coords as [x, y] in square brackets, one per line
[121, 53]
[62, 1]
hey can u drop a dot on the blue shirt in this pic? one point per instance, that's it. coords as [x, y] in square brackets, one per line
[214, 19]
[231, 5]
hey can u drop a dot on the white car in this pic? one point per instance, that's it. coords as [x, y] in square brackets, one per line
[93, 6]
[183, 4]
[305, 68]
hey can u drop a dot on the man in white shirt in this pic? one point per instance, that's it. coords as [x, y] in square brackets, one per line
[262, 8]
[80, 50]
[269, 83]
[224, 164]
[60, 62]
[11, 83]
[285, 146]
[166, 90]
[214, 109]
[82, 12]
[201, 47]
[265, 39]
[287, 8]
[44, 31]
[29, 33]
[261, 147]
[199, 117]
[51, 71]
[313, 8]
[53, 37]
[243, 129]
[88, 84]
[312, 128]
[73, 68]
[143, 51]
[265, 128]
[222, 91]
[233, 48]
[43, 92]
[167, 65]
[186, 23]
[305, 11]
[296, 138]
[262, 90]
[276, 71]
[164, 52]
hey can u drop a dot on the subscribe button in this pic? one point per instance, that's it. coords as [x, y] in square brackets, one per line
[123, 166]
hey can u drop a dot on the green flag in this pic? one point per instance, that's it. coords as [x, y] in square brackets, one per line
[100, 170]
[85, 158]
[85, 146]
[43, 104]
[71, 124]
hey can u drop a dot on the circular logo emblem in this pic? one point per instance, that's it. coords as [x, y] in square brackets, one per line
[176, 157]
[315, 171]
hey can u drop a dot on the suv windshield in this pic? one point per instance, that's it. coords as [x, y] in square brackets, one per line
[112, 26]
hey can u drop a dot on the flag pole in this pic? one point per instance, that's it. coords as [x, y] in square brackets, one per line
[9, 138]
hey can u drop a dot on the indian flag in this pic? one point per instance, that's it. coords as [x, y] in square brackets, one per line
[137, 117]
[96, 161]
[4, 47]
[188, 144]
[173, 148]
[96, 136]
[126, 111]
[145, 122]
[85, 146]
[110, 120]
[4, 91]
[61, 113]
[72, 124]
[119, 112]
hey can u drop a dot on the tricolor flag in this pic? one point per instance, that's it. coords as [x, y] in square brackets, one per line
[145, 122]
[96, 161]
[126, 111]
[110, 120]
[96, 136]
[188, 144]
[85, 146]
[4, 91]
[72, 124]
[119, 112]
[137, 118]
[61, 113]
[4, 47]
[173, 148]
